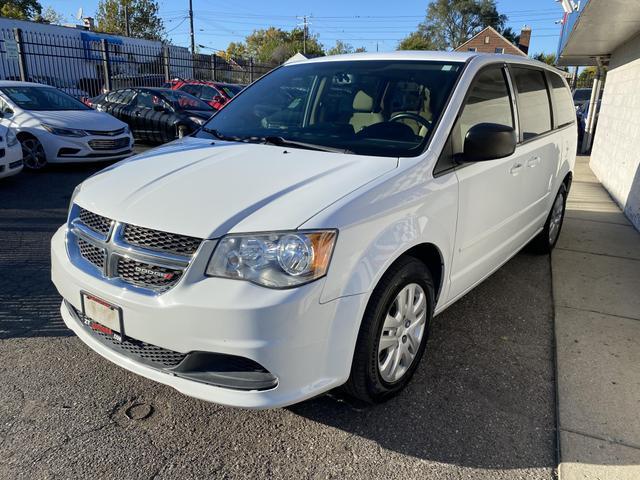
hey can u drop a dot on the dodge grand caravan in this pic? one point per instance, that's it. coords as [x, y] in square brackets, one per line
[305, 237]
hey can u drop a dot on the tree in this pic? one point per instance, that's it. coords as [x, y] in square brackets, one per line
[274, 45]
[50, 15]
[548, 58]
[20, 9]
[450, 23]
[340, 48]
[144, 20]
[417, 41]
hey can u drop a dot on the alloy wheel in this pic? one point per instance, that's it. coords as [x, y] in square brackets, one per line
[557, 212]
[402, 333]
[33, 154]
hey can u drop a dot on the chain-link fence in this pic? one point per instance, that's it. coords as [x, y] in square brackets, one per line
[87, 64]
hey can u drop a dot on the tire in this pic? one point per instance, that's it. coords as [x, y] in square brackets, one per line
[546, 240]
[33, 154]
[371, 379]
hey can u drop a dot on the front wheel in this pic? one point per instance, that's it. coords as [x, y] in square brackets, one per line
[394, 332]
[546, 240]
[33, 154]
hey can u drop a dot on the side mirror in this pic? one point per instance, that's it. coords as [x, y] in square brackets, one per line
[7, 112]
[488, 141]
[219, 99]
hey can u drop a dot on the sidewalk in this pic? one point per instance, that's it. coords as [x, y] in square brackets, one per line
[596, 287]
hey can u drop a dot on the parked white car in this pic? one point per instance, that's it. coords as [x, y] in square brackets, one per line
[54, 127]
[10, 153]
[306, 236]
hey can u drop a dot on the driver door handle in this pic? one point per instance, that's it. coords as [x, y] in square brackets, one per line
[533, 162]
[515, 169]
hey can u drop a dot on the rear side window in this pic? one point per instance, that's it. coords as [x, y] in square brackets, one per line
[488, 101]
[565, 112]
[533, 102]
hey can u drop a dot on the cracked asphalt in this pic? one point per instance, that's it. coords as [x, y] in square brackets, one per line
[481, 405]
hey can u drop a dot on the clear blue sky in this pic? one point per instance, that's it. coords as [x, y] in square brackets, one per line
[381, 22]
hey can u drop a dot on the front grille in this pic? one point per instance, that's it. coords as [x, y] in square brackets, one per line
[106, 133]
[144, 352]
[146, 275]
[91, 253]
[95, 222]
[109, 144]
[163, 241]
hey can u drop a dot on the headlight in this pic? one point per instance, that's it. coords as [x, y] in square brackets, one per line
[11, 138]
[75, 193]
[274, 260]
[66, 132]
[198, 120]
[127, 130]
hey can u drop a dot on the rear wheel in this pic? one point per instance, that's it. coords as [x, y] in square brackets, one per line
[394, 332]
[546, 240]
[33, 154]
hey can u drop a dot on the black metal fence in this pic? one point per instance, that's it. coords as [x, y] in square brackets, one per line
[89, 64]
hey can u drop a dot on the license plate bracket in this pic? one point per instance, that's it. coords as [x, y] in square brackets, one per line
[102, 316]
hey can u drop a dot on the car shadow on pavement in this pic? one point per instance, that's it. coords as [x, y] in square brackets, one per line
[484, 395]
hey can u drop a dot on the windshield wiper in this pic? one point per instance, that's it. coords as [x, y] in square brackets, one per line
[283, 142]
[225, 138]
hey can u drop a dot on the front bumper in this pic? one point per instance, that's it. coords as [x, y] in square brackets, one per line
[306, 345]
[11, 162]
[61, 149]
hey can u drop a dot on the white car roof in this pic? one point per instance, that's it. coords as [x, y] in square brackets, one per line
[426, 55]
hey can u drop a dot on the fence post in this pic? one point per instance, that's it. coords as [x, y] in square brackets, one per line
[214, 66]
[251, 70]
[22, 62]
[106, 64]
[166, 62]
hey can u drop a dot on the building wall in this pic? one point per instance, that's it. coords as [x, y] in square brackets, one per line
[494, 41]
[615, 157]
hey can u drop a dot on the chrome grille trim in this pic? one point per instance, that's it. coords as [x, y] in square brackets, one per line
[109, 143]
[95, 222]
[157, 240]
[106, 133]
[84, 244]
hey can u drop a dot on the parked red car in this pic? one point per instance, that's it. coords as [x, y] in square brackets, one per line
[216, 94]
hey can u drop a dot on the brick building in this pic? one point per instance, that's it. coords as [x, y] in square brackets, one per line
[490, 41]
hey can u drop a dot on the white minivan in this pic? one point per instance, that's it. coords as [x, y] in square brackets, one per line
[305, 237]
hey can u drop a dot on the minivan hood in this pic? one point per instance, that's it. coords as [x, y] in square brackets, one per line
[204, 189]
[81, 119]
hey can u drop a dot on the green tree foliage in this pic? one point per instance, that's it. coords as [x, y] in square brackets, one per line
[340, 48]
[144, 20]
[50, 15]
[450, 23]
[20, 9]
[274, 45]
[548, 58]
[417, 41]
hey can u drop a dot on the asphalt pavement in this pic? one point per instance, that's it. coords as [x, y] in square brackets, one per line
[481, 405]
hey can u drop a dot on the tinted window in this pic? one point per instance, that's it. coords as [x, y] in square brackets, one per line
[148, 100]
[488, 101]
[192, 89]
[180, 100]
[122, 97]
[208, 93]
[533, 102]
[562, 101]
[42, 98]
[348, 105]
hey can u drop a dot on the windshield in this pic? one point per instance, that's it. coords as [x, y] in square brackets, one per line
[183, 101]
[42, 99]
[377, 107]
[230, 90]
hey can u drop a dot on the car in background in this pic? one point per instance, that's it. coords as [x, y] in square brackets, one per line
[54, 127]
[581, 96]
[156, 115]
[10, 153]
[215, 94]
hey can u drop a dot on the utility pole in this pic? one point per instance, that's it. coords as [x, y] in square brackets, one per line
[127, 27]
[193, 38]
[304, 35]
